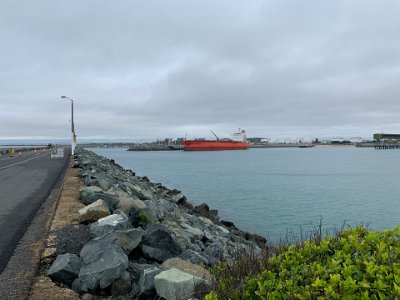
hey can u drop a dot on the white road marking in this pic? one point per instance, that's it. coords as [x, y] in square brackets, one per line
[20, 162]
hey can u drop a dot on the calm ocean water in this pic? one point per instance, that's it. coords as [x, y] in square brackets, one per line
[274, 192]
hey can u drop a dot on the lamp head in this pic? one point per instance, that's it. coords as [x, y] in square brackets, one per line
[63, 96]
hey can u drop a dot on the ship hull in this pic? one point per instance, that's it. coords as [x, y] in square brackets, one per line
[193, 145]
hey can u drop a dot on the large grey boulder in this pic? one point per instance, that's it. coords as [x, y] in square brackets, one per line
[146, 283]
[127, 203]
[158, 244]
[183, 202]
[194, 257]
[90, 194]
[110, 223]
[137, 191]
[87, 194]
[205, 220]
[196, 232]
[103, 261]
[187, 267]
[101, 183]
[129, 239]
[136, 269]
[121, 286]
[214, 252]
[94, 211]
[183, 241]
[174, 284]
[65, 268]
[111, 200]
[206, 212]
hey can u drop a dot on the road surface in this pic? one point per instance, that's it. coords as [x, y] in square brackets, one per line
[26, 181]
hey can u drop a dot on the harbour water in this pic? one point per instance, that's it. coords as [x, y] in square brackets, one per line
[276, 192]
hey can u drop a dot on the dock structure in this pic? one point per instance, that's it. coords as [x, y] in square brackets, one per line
[387, 146]
[387, 141]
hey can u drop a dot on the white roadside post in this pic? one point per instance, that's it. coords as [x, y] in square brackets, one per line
[73, 140]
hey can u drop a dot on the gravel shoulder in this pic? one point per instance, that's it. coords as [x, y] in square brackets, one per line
[65, 214]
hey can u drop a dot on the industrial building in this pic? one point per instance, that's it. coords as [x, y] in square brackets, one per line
[381, 137]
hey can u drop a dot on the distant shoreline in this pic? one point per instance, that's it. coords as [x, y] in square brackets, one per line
[332, 145]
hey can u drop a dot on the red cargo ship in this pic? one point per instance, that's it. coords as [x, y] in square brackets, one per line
[238, 143]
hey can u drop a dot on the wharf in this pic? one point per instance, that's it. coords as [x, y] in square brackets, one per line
[387, 146]
[366, 145]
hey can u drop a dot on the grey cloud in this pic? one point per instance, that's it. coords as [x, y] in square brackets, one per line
[146, 69]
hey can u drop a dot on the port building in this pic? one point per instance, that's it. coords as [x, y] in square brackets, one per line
[387, 137]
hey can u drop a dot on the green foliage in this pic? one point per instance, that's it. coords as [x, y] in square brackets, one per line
[354, 264]
[144, 219]
[211, 296]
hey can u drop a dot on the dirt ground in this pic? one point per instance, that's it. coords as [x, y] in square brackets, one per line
[66, 213]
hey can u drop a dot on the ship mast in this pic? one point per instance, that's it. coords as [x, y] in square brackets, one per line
[214, 134]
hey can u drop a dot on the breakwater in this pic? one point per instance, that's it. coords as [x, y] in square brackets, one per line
[143, 239]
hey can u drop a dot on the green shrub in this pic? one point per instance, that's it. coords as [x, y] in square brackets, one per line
[211, 296]
[144, 219]
[354, 264]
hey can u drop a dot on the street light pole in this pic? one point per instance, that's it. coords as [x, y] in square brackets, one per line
[73, 140]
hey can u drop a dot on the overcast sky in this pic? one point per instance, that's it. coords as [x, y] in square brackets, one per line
[152, 69]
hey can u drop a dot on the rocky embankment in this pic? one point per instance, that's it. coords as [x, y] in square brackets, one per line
[141, 240]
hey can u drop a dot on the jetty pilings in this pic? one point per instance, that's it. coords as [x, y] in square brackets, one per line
[387, 146]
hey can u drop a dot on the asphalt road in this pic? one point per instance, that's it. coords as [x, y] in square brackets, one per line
[26, 181]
